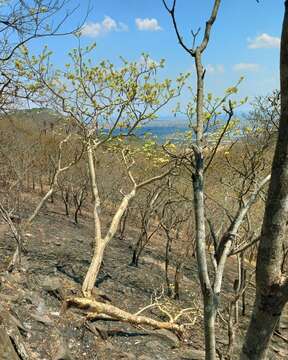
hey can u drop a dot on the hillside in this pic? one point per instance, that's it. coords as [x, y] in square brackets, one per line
[56, 258]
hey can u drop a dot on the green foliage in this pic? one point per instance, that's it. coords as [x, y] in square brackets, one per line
[101, 99]
[216, 111]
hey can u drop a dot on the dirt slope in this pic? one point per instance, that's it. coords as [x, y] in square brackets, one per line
[57, 257]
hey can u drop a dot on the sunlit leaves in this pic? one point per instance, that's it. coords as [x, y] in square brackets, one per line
[103, 99]
[214, 115]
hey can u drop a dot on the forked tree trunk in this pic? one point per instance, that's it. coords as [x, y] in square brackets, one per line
[93, 269]
[271, 281]
[102, 241]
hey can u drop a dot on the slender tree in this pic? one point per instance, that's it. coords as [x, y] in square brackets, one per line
[202, 113]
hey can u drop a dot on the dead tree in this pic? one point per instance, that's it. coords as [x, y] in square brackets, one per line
[173, 218]
[232, 321]
[79, 194]
[148, 206]
[59, 169]
[65, 190]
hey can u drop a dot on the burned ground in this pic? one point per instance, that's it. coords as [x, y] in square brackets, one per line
[55, 261]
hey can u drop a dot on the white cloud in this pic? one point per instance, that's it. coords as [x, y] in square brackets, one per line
[215, 69]
[263, 41]
[109, 24]
[122, 27]
[246, 67]
[147, 24]
[94, 29]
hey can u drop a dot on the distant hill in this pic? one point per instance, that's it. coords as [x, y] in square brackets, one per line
[168, 121]
[162, 129]
[41, 118]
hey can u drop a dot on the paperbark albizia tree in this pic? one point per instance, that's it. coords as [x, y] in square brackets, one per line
[102, 101]
[271, 268]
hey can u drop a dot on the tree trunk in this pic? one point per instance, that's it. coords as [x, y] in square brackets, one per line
[134, 261]
[265, 317]
[40, 205]
[167, 263]
[65, 197]
[177, 279]
[33, 183]
[66, 208]
[210, 305]
[231, 331]
[123, 224]
[210, 308]
[137, 251]
[243, 283]
[271, 282]
[15, 262]
[41, 185]
[77, 210]
[94, 269]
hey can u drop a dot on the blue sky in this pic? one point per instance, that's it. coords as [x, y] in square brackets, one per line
[245, 39]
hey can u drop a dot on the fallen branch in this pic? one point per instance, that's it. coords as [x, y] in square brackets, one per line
[276, 333]
[122, 315]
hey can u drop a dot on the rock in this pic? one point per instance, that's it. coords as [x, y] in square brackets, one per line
[61, 348]
[168, 337]
[50, 283]
[153, 344]
[100, 295]
[193, 354]
[7, 350]
[11, 325]
[44, 319]
[53, 286]
[157, 349]
[127, 356]
[10, 321]
[107, 350]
